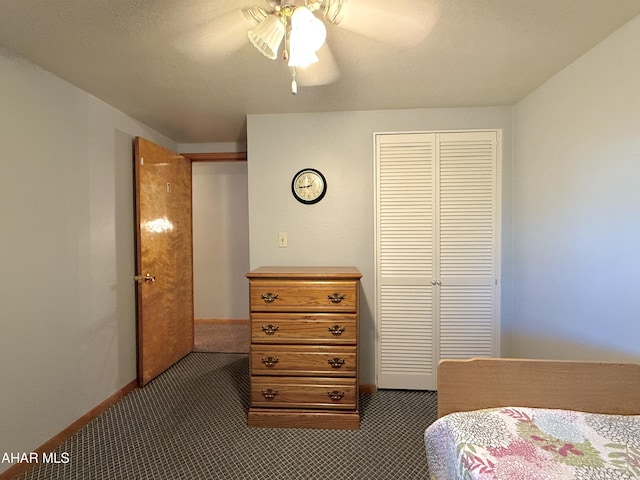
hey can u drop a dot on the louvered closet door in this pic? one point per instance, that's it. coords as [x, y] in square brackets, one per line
[436, 253]
[466, 274]
[405, 252]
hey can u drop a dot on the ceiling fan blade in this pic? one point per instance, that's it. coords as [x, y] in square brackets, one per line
[324, 72]
[220, 37]
[402, 23]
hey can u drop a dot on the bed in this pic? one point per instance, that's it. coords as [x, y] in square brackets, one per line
[516, 419]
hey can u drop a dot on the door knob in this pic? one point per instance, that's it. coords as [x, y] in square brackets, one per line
[148, 278]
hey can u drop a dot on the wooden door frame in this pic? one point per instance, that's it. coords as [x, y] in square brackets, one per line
[216, 157]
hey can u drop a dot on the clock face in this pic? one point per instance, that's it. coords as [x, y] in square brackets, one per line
[308, 186]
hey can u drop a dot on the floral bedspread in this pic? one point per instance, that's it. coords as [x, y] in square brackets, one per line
[518, 443]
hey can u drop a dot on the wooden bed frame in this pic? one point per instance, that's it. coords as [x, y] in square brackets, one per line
[595, 387]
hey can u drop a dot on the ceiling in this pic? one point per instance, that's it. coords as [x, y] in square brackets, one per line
[186, 68]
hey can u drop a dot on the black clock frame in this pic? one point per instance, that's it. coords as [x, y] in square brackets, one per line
[315, 200]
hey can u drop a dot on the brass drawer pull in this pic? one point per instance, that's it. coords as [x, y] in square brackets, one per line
[335, 395]
[270, 329]
[270, 361]
[269, 297]
[336, 330]
[269, 393]
[335, 362]
[335, 297]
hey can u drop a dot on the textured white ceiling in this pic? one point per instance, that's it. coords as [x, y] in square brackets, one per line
[187, 69]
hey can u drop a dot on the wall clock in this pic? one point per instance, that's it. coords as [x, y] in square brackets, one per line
[308, 186]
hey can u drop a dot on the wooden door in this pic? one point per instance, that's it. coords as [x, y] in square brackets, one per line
[164, 263]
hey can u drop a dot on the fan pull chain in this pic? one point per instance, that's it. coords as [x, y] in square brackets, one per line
[294, 84]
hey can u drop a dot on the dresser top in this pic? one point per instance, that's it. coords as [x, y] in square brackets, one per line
[305, 272]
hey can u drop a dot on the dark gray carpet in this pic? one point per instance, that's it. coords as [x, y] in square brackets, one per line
[190, 423]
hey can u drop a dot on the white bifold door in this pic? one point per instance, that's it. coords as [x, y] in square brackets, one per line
[437, 225]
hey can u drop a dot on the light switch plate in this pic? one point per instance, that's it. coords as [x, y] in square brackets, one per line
[282, 239]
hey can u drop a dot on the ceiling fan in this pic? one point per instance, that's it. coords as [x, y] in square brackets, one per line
[296, 26]
[279, 30]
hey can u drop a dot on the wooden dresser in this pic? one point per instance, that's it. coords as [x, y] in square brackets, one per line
[304, 347]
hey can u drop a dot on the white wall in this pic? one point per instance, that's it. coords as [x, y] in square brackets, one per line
[220, 234]
[67, 316]
[220, 240]
[340, 229]
[576, 216]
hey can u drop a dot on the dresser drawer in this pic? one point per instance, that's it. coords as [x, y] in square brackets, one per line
[302, 360]
[304, 392]
[303, 296]
[320, 329]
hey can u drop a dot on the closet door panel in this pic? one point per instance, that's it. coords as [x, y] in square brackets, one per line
[467, 205]
[405, 246]
[407, 337]
[405, 210]
[467, 231]
[466, 321]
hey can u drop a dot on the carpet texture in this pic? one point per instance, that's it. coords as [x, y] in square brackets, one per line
[190, 423]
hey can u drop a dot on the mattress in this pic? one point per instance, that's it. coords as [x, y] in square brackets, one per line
[517, 443]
